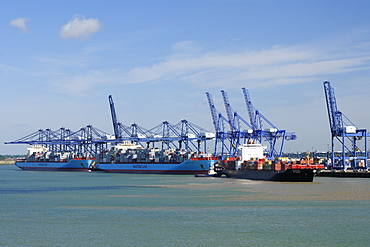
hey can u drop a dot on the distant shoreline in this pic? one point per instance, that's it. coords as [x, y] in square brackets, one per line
[6, 162]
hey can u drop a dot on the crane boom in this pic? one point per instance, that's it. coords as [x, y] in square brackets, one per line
[229, 111]
[335, 116]
[114, 118]
[251, 112]
[213, 111]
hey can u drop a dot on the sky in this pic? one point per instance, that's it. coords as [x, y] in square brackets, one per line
[59, 61]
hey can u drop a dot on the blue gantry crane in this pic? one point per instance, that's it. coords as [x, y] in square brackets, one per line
[351, 155]
[85, 140]
[221, 136]
[194, 135]
[234, 123]
[237, 135]
[183, 135]
[269, 133]
[252, 116]
[261, 130]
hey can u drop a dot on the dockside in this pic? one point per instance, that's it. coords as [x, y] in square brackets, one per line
[348, 174]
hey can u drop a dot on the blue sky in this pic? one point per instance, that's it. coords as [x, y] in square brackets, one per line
[59, 61]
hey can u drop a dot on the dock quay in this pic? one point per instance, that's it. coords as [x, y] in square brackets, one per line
[348, 174]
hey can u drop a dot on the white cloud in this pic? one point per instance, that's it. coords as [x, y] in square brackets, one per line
[258, 68]
[19, 23]
[79, 27]
[78, 84]
[7, 70]
[4, 67]
[275, 64]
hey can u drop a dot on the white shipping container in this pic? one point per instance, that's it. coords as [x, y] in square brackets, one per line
[350, 129]
[208, 135]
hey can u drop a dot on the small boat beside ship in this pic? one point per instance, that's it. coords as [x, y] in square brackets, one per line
[253, 165]
[128, 157]
[40, 158]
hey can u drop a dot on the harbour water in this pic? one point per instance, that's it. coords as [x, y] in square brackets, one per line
[107, 209]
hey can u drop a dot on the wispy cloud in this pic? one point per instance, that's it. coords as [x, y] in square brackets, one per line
[6, 70]
[80, 27]
[20, 23]
[187, 63]
[277, 63]
[78, 84]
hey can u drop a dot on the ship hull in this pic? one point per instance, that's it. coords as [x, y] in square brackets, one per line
[71, 165]
[186, 167]
[289, 175]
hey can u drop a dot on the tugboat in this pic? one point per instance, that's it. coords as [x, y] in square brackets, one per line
[253, 165]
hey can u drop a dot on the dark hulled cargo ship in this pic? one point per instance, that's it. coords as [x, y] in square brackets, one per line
[252, 165]
[288, 175]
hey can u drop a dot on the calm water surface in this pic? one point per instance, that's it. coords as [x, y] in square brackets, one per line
[106, 209]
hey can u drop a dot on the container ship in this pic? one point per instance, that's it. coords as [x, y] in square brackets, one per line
[253, 165]
[40, 158]
[127, 157]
